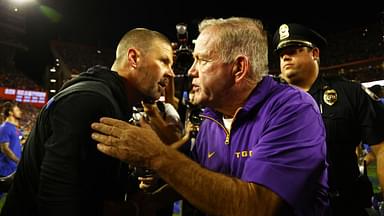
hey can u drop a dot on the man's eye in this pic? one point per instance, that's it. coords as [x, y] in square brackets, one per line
[202, 61]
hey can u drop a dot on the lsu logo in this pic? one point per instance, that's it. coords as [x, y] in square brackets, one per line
[243, 154]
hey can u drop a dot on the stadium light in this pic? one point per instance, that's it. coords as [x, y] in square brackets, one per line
[21, 1]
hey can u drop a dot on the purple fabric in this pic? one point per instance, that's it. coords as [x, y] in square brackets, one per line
[277, 140]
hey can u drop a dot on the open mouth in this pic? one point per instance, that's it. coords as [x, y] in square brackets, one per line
[195, 88]
[163, 83]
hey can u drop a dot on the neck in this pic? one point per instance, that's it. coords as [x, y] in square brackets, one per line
[135, 97]
[306, 84]
[229, 111]
[237, 100]
[12, 120]
[310, 83]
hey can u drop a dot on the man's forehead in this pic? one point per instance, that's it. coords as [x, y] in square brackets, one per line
[204, 43]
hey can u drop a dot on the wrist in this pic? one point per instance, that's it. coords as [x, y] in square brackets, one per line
[158, 160]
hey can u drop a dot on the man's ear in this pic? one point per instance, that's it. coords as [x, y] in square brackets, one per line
[133, 57]
[315, 53]
[240, 68]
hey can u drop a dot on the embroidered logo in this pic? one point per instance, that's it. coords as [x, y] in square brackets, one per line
[210, 154]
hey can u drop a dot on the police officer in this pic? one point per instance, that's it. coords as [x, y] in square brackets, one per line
[347, 113]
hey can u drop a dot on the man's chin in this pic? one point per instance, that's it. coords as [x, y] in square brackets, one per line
[289, 77]
[196, 100]
[149, 99]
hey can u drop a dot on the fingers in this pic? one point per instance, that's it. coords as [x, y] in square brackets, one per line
[110, 126]
[149, 108]
[181, 141]
[104, 138]
[144, 186]
[146, 182]
[105, 129]
[191, 127]
[146, 106]
[108, 150]
[114, 122]
[144, 123]
[146, 179]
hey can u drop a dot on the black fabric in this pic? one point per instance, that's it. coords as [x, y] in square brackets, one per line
[5, 182]
[349, 121]
[91, 86]
[61, 172]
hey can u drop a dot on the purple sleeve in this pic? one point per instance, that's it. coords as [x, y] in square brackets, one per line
[289, 157]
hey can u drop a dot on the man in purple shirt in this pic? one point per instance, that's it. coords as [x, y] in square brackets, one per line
[276, 139]
[261, 146]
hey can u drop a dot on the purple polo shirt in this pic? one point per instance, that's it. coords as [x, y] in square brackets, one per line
[276, 140]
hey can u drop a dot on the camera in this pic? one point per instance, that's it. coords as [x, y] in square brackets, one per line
[195, 118]
[194, 115]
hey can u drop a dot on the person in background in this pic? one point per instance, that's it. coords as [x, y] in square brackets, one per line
[10, 140]
[260, 149]
[347, 112]
[61, 172]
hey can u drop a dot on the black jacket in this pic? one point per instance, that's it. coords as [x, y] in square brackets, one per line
[61, 172]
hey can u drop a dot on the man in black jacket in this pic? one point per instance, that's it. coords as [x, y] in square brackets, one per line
[61, 172]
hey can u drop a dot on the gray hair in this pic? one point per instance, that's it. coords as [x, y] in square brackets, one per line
[241, 36]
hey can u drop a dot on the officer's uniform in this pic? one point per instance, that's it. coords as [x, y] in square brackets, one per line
[349, 119]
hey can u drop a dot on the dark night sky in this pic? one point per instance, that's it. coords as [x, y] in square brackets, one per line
[102, 23]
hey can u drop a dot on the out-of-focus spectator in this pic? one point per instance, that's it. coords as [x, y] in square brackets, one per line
[10, 137]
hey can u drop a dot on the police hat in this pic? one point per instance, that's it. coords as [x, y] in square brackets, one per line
[297, 35]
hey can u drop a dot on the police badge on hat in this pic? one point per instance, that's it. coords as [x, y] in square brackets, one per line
[330, 96]
[293, 34]
[284, 31]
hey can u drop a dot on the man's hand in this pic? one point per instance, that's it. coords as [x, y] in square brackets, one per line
[168, 133]
[135, 145]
